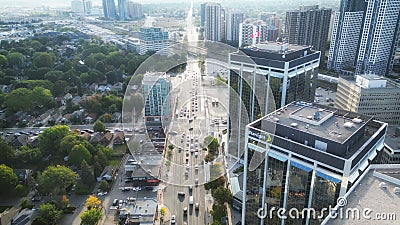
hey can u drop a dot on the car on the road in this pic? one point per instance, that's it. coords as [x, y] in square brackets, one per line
[173, 132]
[115, 202]
[36, 198]
[190, 187]
[196, 167]
[181, 193]
[173, 219]
[196, 154]
[191, 128]
[196, 206]
[196, 181]
[185, 211]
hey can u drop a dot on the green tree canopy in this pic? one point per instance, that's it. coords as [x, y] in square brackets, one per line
[7, 154]
[49, 214]
[7, 179]
[91, 216]
[222, 195]
[15, 59]
[78, 154]
[3, 61]
[98, 126]
[56, 179]
[49, 140]
[43, 59]
[86, 173]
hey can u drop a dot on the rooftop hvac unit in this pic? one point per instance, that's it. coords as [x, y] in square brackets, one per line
[294, 124]
[348, 124]
[357, 120]
[396, 190]
[382, 185]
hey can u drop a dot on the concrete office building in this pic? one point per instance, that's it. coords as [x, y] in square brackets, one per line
[365, 36]
[134, 10]
[153, 39]
[109, 10]
[212, 22]
[233, 20]
[156, 87]
[288, 71]
[370, 95]
[303, 156]
[308, 25]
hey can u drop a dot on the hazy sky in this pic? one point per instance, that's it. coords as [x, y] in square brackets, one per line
[67, 3]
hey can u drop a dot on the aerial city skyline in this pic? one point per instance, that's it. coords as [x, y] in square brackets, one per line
[200, 112]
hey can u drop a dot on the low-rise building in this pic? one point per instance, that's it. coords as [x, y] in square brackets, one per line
[139, 212]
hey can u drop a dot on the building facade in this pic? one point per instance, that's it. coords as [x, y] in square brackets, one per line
[77, 6]
[308, 25]
[122, 10]
[370, 95]
[233, 20]
[305, 156]
[202, 14]
[365, 36]
[252, 32]
[109, 10]
[87, 6]
[156, 87]
[268, 76]
[134, 10]
[212, 22]
[153, 39]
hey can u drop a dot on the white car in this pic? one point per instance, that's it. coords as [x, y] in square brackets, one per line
[173, 219]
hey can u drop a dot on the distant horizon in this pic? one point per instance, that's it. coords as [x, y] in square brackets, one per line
[67, 3]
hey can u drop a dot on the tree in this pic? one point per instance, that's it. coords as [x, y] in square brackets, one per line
[91, 216]
[104, 186]
[49, 214]
[3, 61]
[42, 97]
[163, 211]
[106, 118]
[56, 179]
[86, 173]
[49, 140]
[171, 147]
[222, 195]
[99, 127]
[7, 154]
[21, 190]
[7, 179]
[43, 59]
[64, 201]
[78, 154]
[92, 202]
[19, 99]
[15, 59]
[59, 88]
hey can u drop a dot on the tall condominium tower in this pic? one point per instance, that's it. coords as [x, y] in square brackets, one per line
[153, 39]
[109, 10]
[134, 10]
[308, 25]
[87, 6]
[122, 10]
[212, 22]
[365, 36]
[232, 21]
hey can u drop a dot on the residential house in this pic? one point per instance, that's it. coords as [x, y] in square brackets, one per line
[96, 138]
[76, 100]
[93, 87]
[78, 115]
[90, 118]
[104, 88]
[119, 138]
[117, 86]
[106, 139]
[24, 217]
[19, 140]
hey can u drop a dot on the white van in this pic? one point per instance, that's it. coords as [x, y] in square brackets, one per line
[191, 200]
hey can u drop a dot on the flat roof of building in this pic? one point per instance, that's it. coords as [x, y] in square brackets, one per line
[152, 77]
[272, 46]
[391, 139]
[328, 125]
[369, 195]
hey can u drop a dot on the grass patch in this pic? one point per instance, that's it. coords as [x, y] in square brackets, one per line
[3, 208]
[114, 162]
[121, 149]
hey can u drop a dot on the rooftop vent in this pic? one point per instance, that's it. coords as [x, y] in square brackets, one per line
[276, 119]
[294, 124]
[317, 115]
[396, 190]
[382, 185]
[348, 124]
[356, 120]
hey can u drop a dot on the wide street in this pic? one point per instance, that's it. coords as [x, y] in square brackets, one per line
[194, 117]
